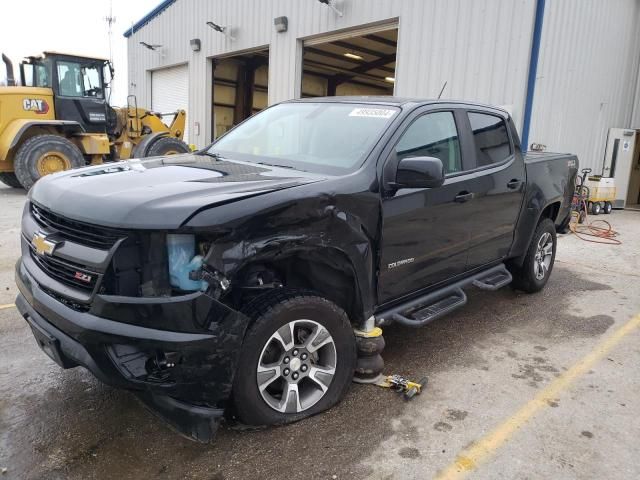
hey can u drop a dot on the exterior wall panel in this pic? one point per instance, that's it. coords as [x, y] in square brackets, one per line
[586, 81]
[587, 75]
[480, 48]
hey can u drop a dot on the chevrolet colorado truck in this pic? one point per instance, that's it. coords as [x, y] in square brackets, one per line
[230, 281]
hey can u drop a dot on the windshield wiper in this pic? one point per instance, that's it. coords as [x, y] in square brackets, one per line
[217, 156]
[276, 165]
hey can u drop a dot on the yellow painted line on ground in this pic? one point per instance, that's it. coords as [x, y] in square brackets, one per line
[8, 305]
[480, 451]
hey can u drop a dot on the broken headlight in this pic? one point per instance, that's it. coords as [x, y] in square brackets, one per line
[187, 272]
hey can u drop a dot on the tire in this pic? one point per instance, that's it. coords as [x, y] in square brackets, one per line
[273, 313]
[526, 277]
[582, 216]
[10, 179]
[44, 154]
[607, 208]
[167, 146]
[596, 208]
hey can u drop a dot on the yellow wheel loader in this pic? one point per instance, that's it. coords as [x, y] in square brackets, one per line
[60, 118]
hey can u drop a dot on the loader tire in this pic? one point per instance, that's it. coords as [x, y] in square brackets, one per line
[45, 154]
[167, 146]
[10, 179]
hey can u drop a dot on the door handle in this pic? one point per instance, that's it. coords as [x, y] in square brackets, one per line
[463, 197]
[513, 184]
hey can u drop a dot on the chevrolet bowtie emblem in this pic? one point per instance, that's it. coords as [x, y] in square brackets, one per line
[42, 245]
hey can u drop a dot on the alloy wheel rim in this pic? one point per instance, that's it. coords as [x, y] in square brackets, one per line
[296, 366]
[542, 259]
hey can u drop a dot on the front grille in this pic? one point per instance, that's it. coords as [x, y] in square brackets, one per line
[83, 233]
[70, 274]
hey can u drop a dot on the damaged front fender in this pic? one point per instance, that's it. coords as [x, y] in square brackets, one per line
[311, 241]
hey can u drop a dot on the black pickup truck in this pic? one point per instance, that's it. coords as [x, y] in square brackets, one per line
[235, 280]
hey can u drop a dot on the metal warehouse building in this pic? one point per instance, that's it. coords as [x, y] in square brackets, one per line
[568, 70]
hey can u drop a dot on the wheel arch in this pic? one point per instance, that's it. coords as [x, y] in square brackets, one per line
[326, 271]
[20, 130]
[521, 242]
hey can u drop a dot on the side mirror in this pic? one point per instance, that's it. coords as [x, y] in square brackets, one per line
[419, 172]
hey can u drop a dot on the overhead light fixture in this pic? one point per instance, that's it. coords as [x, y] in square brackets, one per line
[330, 4]
[222, 30]
[353, 55]
[390, 79]
[281, 24]
[195, 44]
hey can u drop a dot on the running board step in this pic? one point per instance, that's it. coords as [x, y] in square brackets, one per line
[494, 280]
[430, 306]
[428, 313]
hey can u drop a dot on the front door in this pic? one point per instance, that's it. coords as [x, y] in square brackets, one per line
[425, 233]
[80, 94]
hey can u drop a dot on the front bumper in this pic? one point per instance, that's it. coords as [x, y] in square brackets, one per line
[184, 376]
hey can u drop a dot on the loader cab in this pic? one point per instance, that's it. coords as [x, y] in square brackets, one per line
[78, 85]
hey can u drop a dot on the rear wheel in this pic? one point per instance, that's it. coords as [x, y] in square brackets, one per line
[607, 207]
[10, 179]
[45, 154]
[167, 146]
[596, 208]
[297, 359]
[536, 268]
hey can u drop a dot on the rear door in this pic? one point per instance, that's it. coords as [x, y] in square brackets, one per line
[497, 187]
[425, 233]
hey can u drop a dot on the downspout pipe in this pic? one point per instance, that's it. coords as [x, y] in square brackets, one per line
[533, 70]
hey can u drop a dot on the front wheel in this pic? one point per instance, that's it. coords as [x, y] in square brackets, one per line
[297, 359]
[607, 208]
[534, 272]
[45, 154]
[596, 208]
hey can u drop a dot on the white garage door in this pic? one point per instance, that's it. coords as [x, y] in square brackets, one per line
[170, 92]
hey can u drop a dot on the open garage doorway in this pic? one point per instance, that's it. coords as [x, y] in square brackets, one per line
[361, 62]
[240, 88]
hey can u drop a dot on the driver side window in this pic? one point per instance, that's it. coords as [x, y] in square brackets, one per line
[433, 135]
[75, 80]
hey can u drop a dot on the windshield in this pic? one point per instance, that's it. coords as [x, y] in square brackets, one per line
[327, 138]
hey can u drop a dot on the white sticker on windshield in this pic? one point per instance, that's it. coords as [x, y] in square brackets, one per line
[372, 112]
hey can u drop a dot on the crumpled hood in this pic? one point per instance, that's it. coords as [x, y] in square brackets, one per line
[158, 193]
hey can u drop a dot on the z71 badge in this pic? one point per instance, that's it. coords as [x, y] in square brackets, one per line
[36, 105]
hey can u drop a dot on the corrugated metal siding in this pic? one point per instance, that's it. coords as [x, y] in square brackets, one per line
[635, 114]
[586, 76]
[480, 48]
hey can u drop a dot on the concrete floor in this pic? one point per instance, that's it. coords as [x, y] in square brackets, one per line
[526, 367]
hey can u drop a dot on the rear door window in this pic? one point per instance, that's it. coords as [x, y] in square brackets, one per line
[491, 138]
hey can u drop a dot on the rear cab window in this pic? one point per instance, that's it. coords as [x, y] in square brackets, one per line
[490, 137]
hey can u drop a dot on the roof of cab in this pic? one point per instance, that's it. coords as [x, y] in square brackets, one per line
[396, 101]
